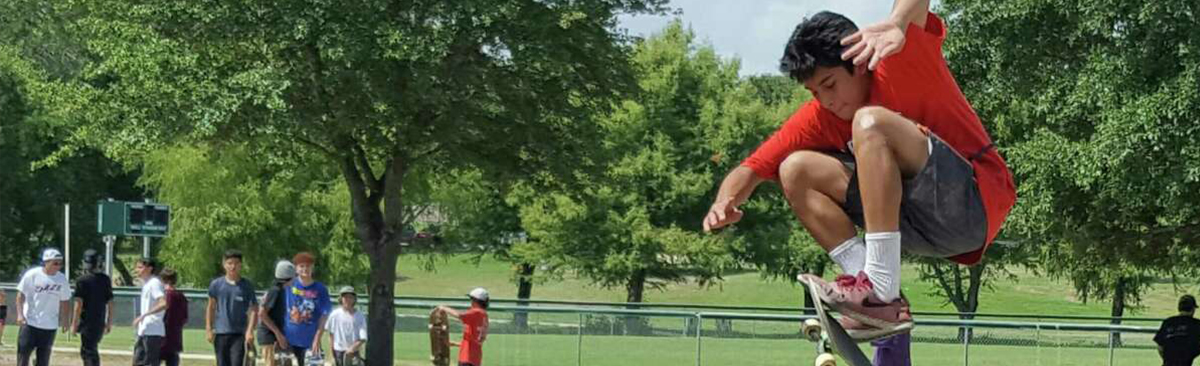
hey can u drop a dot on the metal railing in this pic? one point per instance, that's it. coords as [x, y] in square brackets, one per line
[557, 333]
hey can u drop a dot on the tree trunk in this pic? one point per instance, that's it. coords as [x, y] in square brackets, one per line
[379, 219]
[1118, 309]
[975, 282]
[524, 289]
[121, 270]
[634, 290]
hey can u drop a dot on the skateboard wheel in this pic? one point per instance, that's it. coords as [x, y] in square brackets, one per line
[812, 329]
[826, 359]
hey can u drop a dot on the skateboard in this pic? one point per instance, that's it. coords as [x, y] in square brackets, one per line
[439, 338]
[830, 336]
[352, 360]
[284, 357]
[251, 356]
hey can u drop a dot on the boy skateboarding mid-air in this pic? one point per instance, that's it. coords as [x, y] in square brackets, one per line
[889, 144]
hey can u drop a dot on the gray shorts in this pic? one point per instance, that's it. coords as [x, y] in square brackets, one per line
[941, 210]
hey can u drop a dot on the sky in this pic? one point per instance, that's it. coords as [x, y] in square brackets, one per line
[753, 30]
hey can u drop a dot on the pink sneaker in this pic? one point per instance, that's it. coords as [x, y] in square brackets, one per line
[861, 332]
[853, 296]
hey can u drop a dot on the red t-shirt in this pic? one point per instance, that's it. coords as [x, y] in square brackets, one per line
[917, 84]
[475, 324]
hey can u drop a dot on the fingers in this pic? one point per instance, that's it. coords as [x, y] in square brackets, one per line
[854, 50]
[867, 52]
[853, 38]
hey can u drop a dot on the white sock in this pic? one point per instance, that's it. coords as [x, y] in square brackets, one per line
[851, 255]
[883, 264]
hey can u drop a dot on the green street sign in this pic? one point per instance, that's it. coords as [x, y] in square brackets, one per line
[133, 218]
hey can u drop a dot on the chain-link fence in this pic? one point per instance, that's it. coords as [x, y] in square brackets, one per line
[558, 333]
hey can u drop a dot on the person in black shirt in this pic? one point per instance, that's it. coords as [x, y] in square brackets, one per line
[1179, 337]
[272, 312]
[93, 309]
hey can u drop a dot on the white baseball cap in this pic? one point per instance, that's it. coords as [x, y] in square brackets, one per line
[51, 254]
[479, 294]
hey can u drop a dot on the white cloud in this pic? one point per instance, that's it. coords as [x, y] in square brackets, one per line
[754, 30]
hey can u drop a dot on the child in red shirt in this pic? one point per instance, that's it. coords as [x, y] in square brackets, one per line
[889, 144]
[475, 326]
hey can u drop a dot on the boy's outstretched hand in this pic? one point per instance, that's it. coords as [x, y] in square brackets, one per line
[874, 43]
[722, 213]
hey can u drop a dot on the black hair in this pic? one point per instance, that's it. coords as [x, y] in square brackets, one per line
[149, 262]
[482, 304]
[232, 253]
[817, 42]
[1187, 303]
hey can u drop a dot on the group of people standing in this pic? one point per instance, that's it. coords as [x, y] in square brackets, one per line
[290, 320]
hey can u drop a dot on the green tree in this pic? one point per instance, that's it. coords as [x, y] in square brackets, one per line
[225, 198]
[1094, 103]
[380, 89]
[634, 223]
[32, 196]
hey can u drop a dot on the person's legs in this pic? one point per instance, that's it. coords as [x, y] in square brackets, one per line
[268, 353]
[170, 358]
[337, 358]
[887, 149]
[298, 354]
[222, 346]
[139, 352]
[89, 339]
[815, 186]
[237, 349]
[25, 345]
[43, 340]
[153, 350]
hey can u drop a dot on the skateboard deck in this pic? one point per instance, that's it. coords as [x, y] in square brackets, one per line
[439, 338]
[251, 355]
[836, 336]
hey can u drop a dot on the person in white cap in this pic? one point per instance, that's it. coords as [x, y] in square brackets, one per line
[475, 326]
[43, 295]
[272, 313]
[347, 328]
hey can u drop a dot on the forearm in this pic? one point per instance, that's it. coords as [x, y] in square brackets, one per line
[76, 314]
[109, 319]
[158, 307]
[209, 313]
[64, 307]
[270, 324]
[738, 185]
[252, 320]
[905, 12]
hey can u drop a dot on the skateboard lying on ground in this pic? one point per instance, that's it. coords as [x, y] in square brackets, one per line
[830, 336]
[439, 338]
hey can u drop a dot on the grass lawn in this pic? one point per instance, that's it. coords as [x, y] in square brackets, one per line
[1029, 294]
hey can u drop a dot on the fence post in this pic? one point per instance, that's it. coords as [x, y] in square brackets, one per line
[1111, 345]
[579, 343]
[966, 345]
[699, 326]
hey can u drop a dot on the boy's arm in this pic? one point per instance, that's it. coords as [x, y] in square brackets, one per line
[905, 12]
[75, 316]
[450, 311]
[20, 308]
[880, 40]
[210, 312]
[109, 320]
[735, 189]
